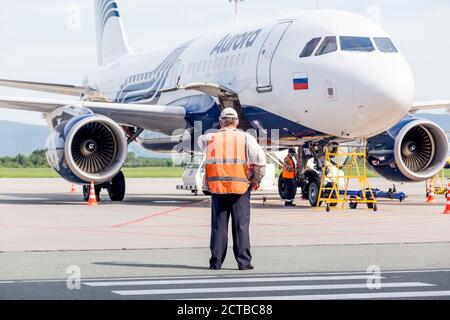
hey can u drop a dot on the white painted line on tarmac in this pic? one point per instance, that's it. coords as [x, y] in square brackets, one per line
[228, 275]
[351, 296]
[260, 289]
[227, 280]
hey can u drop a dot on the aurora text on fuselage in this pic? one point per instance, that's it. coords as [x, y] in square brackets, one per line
[236, 42]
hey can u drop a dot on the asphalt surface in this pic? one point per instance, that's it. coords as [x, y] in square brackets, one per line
[155, 246]
[417, 284]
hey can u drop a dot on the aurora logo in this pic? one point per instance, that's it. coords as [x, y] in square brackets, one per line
[236, 42]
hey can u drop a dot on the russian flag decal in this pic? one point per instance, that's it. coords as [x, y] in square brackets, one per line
[301, 81]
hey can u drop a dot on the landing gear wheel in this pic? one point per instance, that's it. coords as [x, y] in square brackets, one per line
[353, 204]
[87, 191]
[375, 207]
[283, 189]
[116, 188]
[206, 192]
[313, 193]
[328, 207]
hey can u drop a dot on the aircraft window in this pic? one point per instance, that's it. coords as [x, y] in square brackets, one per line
[310, 47]
[232, 61]
[199, 67]
[238, 59]
[225, 64]
[189, 68]
[356, 44]
[194, 67]
[385, 45]
[216, 64]
[328, 45]
[205, 64]
[244, 58]
[221, 63]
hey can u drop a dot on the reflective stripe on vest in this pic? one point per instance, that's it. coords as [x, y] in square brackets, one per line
[226, 163]
[288, 174]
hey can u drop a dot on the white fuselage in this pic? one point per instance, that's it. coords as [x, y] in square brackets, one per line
[350, 94]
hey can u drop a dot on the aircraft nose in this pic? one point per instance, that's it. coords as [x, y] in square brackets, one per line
[385, 94]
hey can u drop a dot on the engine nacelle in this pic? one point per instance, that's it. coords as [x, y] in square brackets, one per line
[87, 148]
[413, 150]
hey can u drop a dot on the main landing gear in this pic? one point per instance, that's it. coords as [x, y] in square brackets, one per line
[116, 189]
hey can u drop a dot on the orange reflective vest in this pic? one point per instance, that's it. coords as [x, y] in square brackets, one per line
[288, 164]
[226, 162]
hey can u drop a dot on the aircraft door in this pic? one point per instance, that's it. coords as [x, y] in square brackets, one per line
[175, 74]
[268, 50]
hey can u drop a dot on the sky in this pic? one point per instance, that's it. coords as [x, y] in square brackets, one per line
[54, 41]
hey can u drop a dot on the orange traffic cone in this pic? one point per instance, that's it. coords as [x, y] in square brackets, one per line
[92, 197]
[431, 197]
[447, 207]
[74, 189]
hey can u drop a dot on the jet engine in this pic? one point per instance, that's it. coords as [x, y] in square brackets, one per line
[413, 150]
[87, 148]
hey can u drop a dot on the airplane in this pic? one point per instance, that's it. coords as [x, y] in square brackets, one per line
[312, 78]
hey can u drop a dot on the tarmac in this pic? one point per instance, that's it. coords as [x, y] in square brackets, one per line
[159, 232]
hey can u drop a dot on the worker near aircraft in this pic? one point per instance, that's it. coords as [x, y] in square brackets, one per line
[289, 177]
[235, 166]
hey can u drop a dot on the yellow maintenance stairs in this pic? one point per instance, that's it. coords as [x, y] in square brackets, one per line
[439, 184]
[343, 165]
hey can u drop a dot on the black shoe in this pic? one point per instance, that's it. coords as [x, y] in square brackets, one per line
[249, 267]
[289, 204]
[214, 268]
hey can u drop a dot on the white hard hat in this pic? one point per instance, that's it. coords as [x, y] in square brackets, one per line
[229, 113]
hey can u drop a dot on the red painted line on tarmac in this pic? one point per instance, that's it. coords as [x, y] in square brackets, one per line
[155, 215]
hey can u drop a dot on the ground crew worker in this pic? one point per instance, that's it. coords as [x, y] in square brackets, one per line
[289, 177]
[235, 166]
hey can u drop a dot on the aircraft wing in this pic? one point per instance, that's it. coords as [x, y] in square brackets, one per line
[139, 115]
[430, 105]
[45, 87]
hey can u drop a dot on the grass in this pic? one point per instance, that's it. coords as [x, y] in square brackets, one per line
[447, 173]
[154, 172]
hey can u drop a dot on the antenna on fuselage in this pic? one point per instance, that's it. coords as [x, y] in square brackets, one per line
[236, 10]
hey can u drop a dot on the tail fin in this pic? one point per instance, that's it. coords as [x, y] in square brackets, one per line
[111, 41]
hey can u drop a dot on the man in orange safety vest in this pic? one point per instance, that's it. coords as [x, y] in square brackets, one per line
[289, 177]
[235, 166]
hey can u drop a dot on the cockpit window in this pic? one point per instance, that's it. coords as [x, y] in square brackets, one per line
[385, 45]
[310, 47]
[356, 44]
[328, 45]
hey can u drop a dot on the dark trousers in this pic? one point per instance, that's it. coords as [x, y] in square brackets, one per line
[290, 189]
[238, 207]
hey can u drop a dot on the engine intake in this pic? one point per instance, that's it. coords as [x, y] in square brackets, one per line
[413, 150]
[87, 148]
